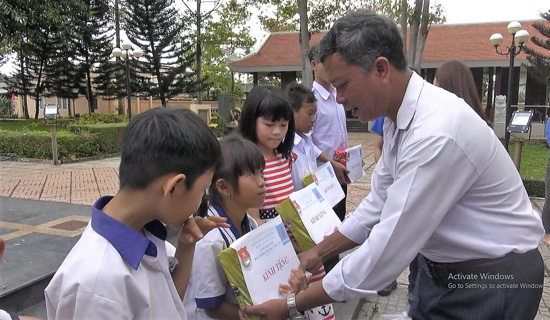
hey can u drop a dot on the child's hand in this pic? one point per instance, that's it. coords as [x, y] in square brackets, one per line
[341, 172]
[196, 227]
[298, 281]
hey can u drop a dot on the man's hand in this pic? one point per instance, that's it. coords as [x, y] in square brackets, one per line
[196, 227]
[275, 309]
[310, 260]
[341, 172]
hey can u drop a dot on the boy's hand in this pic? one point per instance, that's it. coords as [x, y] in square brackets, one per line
[298, 281]
[196, 227]
[341, 172]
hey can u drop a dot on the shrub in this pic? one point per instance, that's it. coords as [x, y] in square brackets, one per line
[535, 188]
[80, 142]
[110, 135]
[6, 107]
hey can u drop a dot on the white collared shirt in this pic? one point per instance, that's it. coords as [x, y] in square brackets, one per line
[444, 186]
[113, 272]
[329, 131]
[306, 158]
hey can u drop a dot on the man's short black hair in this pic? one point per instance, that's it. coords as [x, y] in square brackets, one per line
[162, 141]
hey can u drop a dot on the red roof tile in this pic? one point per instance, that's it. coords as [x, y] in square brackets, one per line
[466, 42]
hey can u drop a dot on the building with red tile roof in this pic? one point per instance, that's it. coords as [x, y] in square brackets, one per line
[279, 55]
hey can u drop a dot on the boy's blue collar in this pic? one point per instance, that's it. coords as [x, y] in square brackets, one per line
[131, 245]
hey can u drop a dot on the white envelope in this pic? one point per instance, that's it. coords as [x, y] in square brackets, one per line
[325, 178]
[315, 211]
[354, 163]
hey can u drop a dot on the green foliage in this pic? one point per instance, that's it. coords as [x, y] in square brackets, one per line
[6, 107]
[537, 50]
[227, 37]
[217, 124]
[156, 27]
[534, 157]
[534, 188]
[83, 141]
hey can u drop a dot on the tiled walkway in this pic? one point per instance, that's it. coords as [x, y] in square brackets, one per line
[83, 183]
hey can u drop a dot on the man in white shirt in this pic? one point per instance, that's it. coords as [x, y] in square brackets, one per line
[445, 187]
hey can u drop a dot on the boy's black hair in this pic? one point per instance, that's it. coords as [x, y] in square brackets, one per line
[239, 157]
[162, 141]
[272, 103]
[298, 94]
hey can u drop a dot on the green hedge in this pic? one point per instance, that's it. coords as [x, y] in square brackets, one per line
[110, 135]
[80, 142]
[535, 188]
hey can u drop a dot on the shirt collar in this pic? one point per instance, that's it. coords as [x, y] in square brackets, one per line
[245, 224]
[297, 138]
[408, 106]
[131, 245]
[321, 90]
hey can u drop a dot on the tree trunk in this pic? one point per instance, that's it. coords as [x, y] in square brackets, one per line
[422, 36]
[117, 40]
[36, 104]
[24, 86]
[89, 89]
[307, 73]
[69, 106]
[199, 52]
[404, 22]
[415, 24]
[232, 82]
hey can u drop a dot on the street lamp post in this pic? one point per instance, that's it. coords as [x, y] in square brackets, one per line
[126, 55]
[519, 37]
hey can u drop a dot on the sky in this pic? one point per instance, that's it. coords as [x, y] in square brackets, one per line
[468, 11]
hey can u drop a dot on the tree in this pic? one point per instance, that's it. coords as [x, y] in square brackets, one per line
[537, 55]
[307, 72]
[156, 27]
[200, 18]
[38, 41]
[225, 38]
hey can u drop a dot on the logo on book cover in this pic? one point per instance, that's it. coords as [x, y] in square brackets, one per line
[318, 195]
[281, 231]
[244, 256]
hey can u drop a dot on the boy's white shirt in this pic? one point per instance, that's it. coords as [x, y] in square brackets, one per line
[306, 160]
[106, 287]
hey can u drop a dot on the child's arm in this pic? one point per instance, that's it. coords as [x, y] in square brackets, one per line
[192, 231]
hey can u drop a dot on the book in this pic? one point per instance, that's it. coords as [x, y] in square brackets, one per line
[258, 262]
[325, 178]
[352, 158]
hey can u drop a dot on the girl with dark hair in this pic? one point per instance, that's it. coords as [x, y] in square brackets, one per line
[267, 120]
[454, 76]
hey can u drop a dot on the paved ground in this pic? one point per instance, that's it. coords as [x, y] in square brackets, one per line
[39, 233]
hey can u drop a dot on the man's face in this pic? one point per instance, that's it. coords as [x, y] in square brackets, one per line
[355, 91]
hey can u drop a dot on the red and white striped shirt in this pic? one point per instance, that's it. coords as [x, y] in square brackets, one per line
[278, 181]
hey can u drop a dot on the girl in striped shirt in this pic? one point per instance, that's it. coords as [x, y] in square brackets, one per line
[267, 119]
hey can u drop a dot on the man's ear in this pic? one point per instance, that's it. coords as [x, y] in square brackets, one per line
[171, 184]
[381, 68]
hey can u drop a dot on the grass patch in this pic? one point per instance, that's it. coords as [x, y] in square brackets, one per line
[534, 157]
[29, 125]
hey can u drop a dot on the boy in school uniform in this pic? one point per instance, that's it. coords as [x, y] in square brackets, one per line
[304, 106]
[119, 269]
